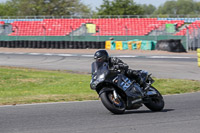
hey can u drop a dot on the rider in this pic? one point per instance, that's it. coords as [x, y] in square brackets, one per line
[115, 63]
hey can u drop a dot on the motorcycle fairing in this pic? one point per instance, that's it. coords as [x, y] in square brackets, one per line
[99, 73]
[130, 87]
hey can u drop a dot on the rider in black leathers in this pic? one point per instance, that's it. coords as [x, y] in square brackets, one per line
[115, 63]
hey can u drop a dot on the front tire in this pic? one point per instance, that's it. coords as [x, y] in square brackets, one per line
[155, 103]
[116, 106]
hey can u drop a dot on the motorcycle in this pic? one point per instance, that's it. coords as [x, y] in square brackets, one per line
[118, 92]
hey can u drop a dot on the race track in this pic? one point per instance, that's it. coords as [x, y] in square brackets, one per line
[161, 66]
[181, 115]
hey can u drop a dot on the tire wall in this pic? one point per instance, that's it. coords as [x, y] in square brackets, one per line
[54, 44]
[170, 45]
[89, 39]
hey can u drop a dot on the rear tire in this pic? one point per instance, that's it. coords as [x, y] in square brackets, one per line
[156, 103]
[116, 106]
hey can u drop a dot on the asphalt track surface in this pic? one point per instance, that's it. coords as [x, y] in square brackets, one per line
[161, 66]
[180, 115]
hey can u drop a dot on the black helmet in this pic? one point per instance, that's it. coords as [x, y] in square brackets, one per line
[101, 56]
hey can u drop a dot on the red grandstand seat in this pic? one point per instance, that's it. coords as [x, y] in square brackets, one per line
[135, 26]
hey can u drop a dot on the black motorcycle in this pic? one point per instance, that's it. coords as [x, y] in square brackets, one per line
[119, 92]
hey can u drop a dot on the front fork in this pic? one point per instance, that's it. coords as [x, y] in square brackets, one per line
[148, 85]
[146, 89]
[115, 94]
[149, 92]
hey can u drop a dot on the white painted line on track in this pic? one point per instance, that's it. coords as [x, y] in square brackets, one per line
[67, 55]
[7, 53]
[87, 55]
[35, 53]
[91, 55]
[21, 53]
[126, 56]
[168, 57]
[48, 54]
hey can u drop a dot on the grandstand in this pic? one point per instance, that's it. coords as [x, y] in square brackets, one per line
[106, 27]
[100, 29]
[2, 22]
[192, 27]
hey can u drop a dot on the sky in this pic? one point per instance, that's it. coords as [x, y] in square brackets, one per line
[97, 3]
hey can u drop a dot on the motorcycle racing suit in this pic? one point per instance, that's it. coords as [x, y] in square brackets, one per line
[116, 63]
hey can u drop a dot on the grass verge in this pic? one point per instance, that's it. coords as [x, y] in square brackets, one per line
[22, 86]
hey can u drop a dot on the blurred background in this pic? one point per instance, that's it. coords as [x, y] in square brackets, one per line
[88, 24]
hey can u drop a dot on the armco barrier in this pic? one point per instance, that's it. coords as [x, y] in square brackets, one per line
[198, 54]
[53, 44]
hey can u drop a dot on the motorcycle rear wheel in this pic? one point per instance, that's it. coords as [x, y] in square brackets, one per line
[156, 103]
[116, 106]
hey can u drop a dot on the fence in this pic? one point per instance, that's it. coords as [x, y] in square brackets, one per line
[193, 38]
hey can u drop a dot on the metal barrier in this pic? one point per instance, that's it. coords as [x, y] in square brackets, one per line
[198, 56]
[193, 38]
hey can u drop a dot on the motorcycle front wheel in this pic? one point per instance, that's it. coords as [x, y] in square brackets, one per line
[156, 102]
[116, 106]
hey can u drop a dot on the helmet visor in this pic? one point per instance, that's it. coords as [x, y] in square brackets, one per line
[99, 59]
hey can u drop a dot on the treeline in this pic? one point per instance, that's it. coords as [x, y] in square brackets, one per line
[108, 7]
[129, 7]
[43, 8]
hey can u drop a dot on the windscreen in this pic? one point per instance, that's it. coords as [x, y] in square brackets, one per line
[99, 67]
[94, 68]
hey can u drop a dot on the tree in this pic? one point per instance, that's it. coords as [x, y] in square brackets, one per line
[197, 7]
[148, 9]
[119, 7]
[47, 7]
[6, 9]
[169, 7]
[178, 7]
[185, 7]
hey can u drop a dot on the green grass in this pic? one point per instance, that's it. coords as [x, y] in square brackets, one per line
[20, 86]
[176, 86]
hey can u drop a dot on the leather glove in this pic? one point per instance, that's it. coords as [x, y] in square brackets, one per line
[116, 67]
